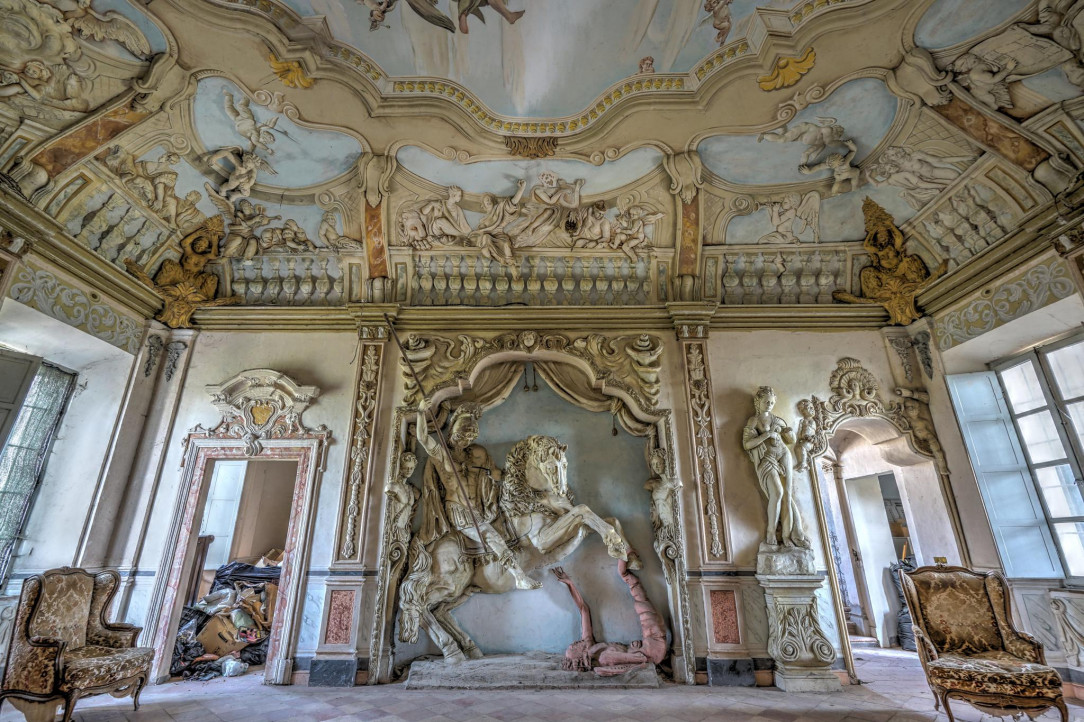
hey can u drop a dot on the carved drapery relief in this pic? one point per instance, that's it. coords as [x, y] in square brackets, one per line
[361, 448]
[261, 404]
[698, 384]
[627, 364]
[1016, 296]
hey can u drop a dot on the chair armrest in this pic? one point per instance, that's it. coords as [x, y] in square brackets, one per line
[926, 651]
[1026, 647]
[116, 636]
[35, 664]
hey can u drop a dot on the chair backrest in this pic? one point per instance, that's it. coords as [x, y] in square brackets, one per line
[63, 609]
[959, 610]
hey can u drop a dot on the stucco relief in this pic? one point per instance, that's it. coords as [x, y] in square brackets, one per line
[40, 289]
[361, 446]
[1016, 296]
[698, 383]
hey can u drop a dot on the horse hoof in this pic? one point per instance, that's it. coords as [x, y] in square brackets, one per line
[454, 658]
[473, 653]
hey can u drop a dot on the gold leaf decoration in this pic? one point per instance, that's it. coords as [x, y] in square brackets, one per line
[290, 72]
[788, 71]
[533, 147]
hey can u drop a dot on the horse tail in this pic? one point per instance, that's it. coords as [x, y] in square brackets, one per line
[412, 592]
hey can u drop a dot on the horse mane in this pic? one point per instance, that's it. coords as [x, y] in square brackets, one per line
[517, 496]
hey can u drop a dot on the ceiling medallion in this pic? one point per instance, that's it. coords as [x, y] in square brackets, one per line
[788, 71]
[533, 147]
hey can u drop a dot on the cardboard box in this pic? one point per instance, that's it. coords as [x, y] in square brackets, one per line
[219, 636]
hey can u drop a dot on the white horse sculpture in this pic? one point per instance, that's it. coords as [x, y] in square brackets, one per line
[535, 499]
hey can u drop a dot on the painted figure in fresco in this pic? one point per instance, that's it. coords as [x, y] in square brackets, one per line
[986, 81]
[719, 15]
[447, 502]
[329, 235]
[631, 230]
[815, 136]
[110, 25]
[241, 240]
[445, 221]
[594, 228]
[54, 86]
[766, 439]
[843, 173]
[921, 175]
[791, 209]
[246, 166]
[647, 65]
[258, 135]
[610, 659]
[427, 10]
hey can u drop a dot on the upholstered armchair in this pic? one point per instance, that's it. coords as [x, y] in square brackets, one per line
[63, 649]
[970, 648]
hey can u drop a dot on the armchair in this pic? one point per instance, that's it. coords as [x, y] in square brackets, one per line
[63, 649]
[969, 647]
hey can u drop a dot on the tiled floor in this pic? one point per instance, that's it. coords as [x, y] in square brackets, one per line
[894, 689]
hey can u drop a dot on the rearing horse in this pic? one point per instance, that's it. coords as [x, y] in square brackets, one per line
[548, 525]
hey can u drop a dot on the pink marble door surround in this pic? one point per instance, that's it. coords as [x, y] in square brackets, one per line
[202, 451]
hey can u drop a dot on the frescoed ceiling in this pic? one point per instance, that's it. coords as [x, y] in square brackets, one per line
[353, 140]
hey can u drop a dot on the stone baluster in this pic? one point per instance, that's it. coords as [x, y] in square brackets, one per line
[587, 280]
[788, 281]
[307, 284]
[289, 281]
[440, 281]
[338, 283]
[423, 276]
[731, 280]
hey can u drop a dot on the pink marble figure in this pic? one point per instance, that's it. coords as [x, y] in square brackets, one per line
[609, 659]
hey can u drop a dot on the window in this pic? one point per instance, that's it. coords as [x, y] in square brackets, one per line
[1023, 425]
[33, 426]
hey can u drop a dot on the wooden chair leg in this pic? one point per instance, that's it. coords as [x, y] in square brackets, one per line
[948, 710]
[139, 688]
[1063, 709]
[69, 706]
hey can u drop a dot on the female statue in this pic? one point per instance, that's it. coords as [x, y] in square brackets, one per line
[766, 438]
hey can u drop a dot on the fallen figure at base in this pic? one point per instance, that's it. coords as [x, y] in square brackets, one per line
[610, 659]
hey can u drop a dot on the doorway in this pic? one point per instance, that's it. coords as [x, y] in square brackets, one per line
[231, 594]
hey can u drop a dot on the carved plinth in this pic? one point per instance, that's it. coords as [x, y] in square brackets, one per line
[774, 560]
[803, 654]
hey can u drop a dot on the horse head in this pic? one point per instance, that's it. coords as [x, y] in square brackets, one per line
[535, 466]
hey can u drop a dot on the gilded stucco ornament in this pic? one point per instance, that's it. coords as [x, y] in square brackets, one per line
[260, 404]
[788, 71]
[894, 277]
[184, 285]
[531, 146]
[290, 72]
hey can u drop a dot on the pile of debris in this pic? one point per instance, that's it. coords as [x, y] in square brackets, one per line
[228, 630]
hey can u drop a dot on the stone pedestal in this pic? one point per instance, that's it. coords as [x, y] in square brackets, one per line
[534, 670]
[802, 653]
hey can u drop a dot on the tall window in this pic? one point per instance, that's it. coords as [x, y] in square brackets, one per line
[1024, 427]
[22, 461]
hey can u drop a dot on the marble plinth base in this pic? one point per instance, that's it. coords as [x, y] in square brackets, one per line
[807, 681]
[519, 671]
[778, 560]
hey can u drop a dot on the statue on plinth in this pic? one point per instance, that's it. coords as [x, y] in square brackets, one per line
[766, 439]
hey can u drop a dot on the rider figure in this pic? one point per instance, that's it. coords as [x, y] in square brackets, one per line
[447, 503]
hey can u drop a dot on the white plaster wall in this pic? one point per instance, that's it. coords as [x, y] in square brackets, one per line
[60, 508]
[323, 359]
[264, 512]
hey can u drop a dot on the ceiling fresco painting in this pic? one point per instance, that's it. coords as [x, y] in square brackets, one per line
[334, 185]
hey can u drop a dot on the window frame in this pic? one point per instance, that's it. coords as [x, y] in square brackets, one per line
[1056, 405]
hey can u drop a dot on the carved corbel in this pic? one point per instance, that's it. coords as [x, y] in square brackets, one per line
[686, 172]
[918, 78]
[374, 176]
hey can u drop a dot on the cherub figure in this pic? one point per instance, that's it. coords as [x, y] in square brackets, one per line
[985, 80]
[840, 165]
[631, 232]
[816, 136]
[806, 437]
[792, 209]
[110, 25]
[378, 12]
[258, 135]
[246, 166]
[647, 65]
[719, 15]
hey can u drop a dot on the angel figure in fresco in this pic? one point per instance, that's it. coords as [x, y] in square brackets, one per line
[986, 81]
[55, 86]
[258, 135]
[631, 230]
[719, 15]
[427, 10]
[490, 235]
[815, 136]
[791, 210]
[551, 201]
[110, 25]
[843, 173]
[246, 166]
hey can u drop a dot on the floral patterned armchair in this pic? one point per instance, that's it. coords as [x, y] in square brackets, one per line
[63, 649]
[969, 647]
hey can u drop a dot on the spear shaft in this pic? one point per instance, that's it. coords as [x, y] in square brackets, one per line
[440, 435]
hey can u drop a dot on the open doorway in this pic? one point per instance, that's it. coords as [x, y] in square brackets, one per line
[231, 594]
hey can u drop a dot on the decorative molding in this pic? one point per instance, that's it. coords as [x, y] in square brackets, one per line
[1068, 611]
[921, 344]
[362, 444]
[261, 404]
[788, 71]
[174, 349]
[698, 385]
[531, 146]
[290, 72]
[43, 291]
[997, 304]
[154, 350]
[902, 346]
[628, 364]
